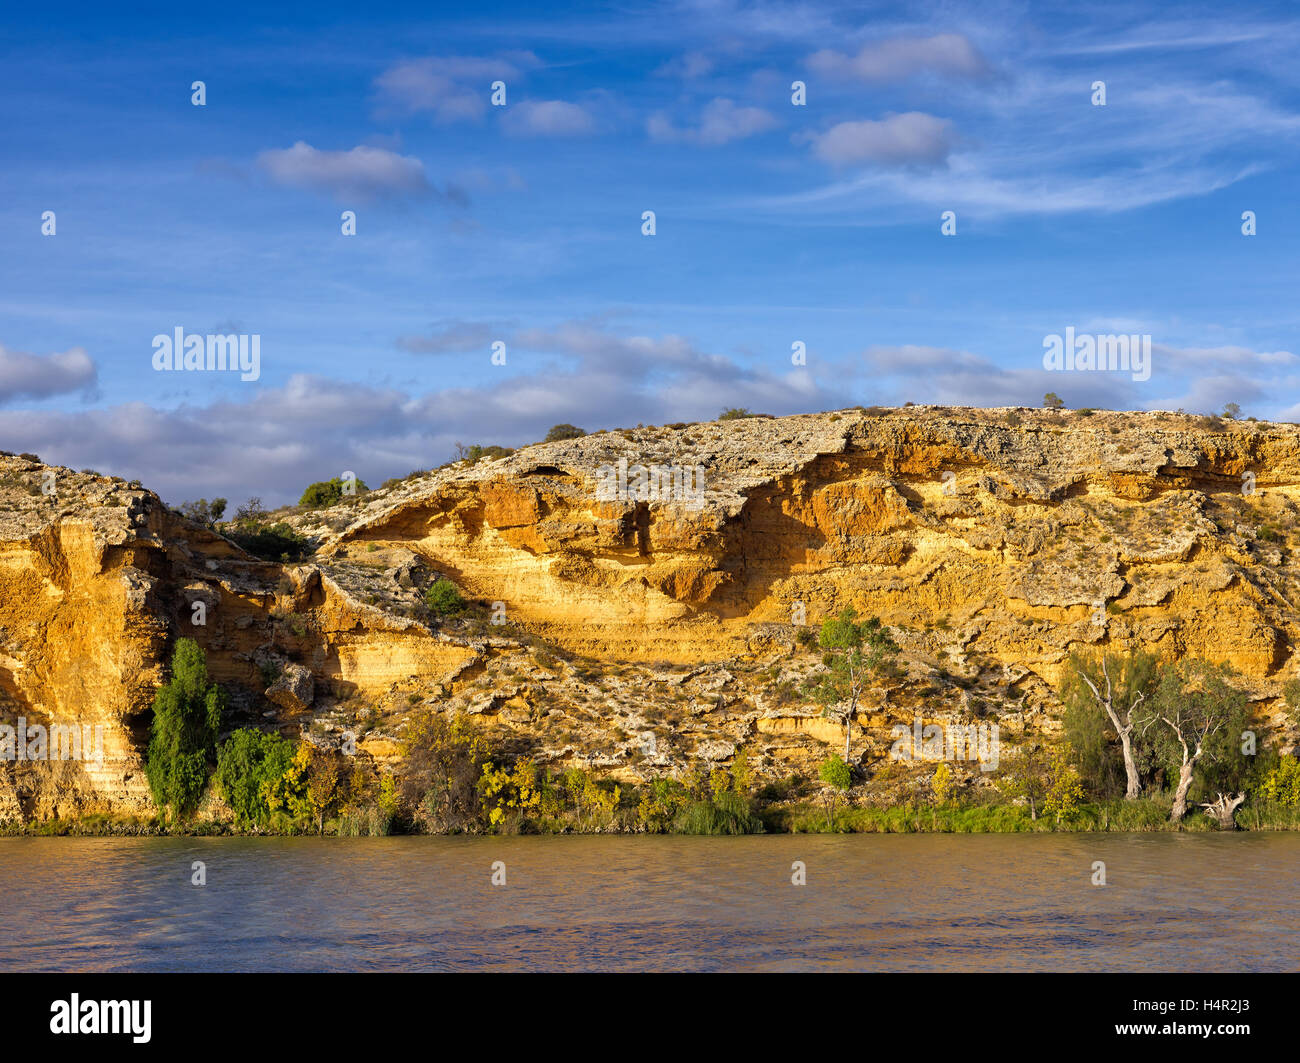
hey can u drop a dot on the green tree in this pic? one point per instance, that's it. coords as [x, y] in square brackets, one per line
[248, 764]
[564, 431]
[203, 511]
[1103, 697]
[288, 792]
[1029, 779]
[1053, 401]
[838, 776]
[1231, 411]
[325, 493]
[187, 713]
[1193, 710]
[854, 654]
[442, 763]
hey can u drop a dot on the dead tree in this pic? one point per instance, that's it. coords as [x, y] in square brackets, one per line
[1224, 808]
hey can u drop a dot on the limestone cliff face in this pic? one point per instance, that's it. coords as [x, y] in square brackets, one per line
[650, 627]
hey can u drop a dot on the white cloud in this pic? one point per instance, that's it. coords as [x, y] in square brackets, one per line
[907, 139]
[548, 118]
[280, 439]
[449, 88]
[362, 173]
[721, 121]
[947, 54]
[32, 376]
[690, 66]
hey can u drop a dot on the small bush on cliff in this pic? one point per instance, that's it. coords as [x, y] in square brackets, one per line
[187, 713]
[271, 542]
[476, 453]
[564, 431]
[443, 598]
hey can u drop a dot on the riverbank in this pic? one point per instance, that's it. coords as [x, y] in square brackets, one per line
[1144, 816]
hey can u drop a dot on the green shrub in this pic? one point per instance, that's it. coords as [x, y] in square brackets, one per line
[835, 771]
[564, 431]
[270, 542]
[476, 453]
[443, 598]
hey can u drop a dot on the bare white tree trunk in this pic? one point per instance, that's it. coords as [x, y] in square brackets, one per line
[1184, 773]
[1130, 768]
[1123, 728]
[1180, 795]
[1223, 809]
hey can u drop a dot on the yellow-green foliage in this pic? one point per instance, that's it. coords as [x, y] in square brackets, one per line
[1065, 790]
[595, 806]
[942, 783]
[1282, 784]
[288, 793]
[510, 793]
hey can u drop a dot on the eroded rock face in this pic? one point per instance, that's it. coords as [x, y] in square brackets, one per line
[1027, 536]
[993, 548]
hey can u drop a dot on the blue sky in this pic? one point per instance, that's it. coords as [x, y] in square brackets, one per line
[775, 223]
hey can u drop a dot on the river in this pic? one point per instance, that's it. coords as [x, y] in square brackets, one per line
[1171, 902]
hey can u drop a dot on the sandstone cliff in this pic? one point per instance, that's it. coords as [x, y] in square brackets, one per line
[642, 635]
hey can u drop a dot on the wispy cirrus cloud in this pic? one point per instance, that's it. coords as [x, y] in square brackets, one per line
[453, 337]
[448, 88]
